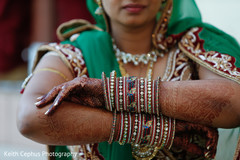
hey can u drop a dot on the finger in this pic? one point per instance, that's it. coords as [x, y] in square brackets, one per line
[38, 103]
[40, 98]
[58, 100]
[211, 145]
[49, 97]
[53, 107]
[62, 95]
[184, 143]
[50, 111]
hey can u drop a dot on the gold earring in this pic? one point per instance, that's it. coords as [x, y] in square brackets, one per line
[99, 10]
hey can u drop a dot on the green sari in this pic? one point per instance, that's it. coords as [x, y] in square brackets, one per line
[96, 46]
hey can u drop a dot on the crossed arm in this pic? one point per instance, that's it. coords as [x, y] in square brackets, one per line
[212, 101]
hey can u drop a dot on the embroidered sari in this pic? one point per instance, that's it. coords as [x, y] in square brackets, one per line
[189, 43]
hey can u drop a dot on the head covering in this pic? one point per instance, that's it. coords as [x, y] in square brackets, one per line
[183, 10]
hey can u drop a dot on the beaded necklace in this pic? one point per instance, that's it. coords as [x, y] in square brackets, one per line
[145, 58]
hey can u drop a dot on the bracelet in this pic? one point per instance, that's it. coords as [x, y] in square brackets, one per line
[131, 94]
[125, 131]
[124, 94]
[129, 127]
[161, 130]
[142, 91]
[117, 94]
[112, 90]
[137, 98]
[146, 96]
[158, 130]
[144, 130]
[153, 110]
[139, 133]
[149, 96]
[27, 79]
[113, 127]
[147, 125]
[153, 130]
[104, 82]
[135, 129]
[165, 132]
[121, 128]
[157, 106]
[171, 134]
[120, 94]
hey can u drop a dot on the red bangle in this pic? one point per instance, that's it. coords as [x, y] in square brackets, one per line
[121, 128]
[153, 130]
[113, 127]
[139, 133]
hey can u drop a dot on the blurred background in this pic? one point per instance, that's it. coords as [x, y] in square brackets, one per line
[27, 23]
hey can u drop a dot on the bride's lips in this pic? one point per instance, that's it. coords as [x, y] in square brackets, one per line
[134, 8]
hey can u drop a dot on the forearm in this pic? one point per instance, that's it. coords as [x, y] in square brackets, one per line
[209, 102]
[71, 124]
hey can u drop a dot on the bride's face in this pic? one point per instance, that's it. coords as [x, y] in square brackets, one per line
[131, 13]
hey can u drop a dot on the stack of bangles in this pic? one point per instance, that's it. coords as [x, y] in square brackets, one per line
[140, 120]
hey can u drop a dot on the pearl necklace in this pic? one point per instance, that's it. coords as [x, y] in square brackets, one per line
[138, 58]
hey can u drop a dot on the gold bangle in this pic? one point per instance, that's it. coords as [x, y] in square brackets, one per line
[52, 70]
[25, 82]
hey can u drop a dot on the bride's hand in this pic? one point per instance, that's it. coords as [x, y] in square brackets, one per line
[81, 90]
[186, 138]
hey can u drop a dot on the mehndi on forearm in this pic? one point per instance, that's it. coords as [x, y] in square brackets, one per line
[195, 101]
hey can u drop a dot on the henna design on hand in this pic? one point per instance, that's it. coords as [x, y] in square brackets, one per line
[81, 90]
[185, 132]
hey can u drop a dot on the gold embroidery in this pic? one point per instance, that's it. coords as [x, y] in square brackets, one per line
[221, 64]
[70, 55]
[178, 67]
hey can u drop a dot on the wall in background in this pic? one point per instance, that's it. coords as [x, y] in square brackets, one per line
[223, 14]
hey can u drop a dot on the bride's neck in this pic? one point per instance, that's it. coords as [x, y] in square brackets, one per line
[133, 40]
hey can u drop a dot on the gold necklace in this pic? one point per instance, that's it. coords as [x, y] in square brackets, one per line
[149, 72]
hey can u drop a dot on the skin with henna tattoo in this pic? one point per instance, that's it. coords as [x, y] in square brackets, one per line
[81, 90]
[57, 128]
[196, 101]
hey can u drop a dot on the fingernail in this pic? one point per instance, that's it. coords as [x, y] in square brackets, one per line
[208, 147]
[46, 113]
[37, 103]
[207, 155]
[56, 103]
[39, 98]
